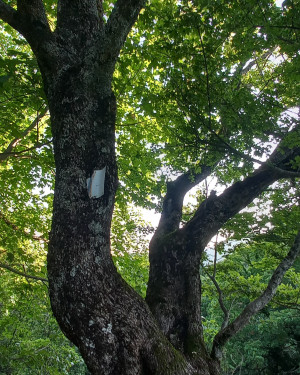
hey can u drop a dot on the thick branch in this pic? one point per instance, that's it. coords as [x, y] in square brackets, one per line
[224, 335]
[8, 151]
[216, 210]
[30, 20]
[120, 22]
[173, 200]
[34, 25]
[9, 268]
[75, 16]
[9, 15]
[33, 9]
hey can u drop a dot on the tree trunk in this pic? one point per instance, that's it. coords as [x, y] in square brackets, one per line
[113, 327]
[96, 309]
[174, 288]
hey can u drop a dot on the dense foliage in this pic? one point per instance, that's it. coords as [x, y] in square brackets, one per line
[197, 82]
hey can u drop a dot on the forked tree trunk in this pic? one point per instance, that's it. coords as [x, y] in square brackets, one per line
[116, 331]
[104, 317]
[112, 326]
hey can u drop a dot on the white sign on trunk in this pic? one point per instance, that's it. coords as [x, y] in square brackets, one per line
[95, 184]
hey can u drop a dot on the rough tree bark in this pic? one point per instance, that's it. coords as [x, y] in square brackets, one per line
[174, 287]
[115, 330]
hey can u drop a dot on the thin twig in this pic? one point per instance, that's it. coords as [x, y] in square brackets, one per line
[219, 291]
[207, 79]
[8, 151]
[9, 268]
[5, 155]
[18, 229]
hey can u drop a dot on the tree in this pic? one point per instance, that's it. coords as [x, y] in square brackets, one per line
[116, 331]
[269, 344]
[30, 340]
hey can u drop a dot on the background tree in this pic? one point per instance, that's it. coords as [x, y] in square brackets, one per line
[269, 344]
[213, 100]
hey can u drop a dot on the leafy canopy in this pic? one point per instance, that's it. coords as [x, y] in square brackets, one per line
[198, 82]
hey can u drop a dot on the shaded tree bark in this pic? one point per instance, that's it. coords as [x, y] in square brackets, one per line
[95, 308]
[115, 330]
[174, 289]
